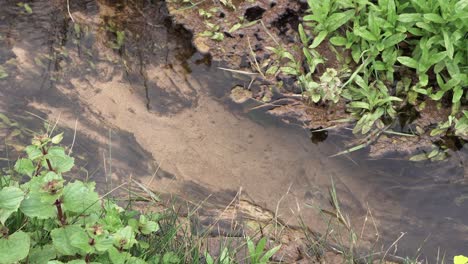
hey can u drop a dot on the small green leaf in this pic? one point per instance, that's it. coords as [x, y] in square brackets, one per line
[57, 138]
[14, 248]
[448, 44]
[28, 8]
[33, 152]
[457, 94]
[235, 27]
[25, 166]
[409, 17]
[338, 41]
[408, 61]
[318, 39]
[435, 18]
[10, 200]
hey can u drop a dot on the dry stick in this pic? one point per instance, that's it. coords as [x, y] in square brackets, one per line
[69, 13]
[74, 137]
[55, 125]
[394, 243]
[255, 59]
[277, 208]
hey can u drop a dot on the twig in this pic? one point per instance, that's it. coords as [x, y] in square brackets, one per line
[69, 13]
[74, 137]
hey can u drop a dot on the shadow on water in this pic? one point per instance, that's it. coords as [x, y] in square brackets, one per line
[146, 101]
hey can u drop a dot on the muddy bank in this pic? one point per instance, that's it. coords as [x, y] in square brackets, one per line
[149, 107]
[250, 31]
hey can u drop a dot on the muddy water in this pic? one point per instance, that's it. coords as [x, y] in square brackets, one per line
[147, 106]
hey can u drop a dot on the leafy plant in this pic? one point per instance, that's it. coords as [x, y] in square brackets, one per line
[388, 36]
[45, 218]
[369, 102]
[257, 252]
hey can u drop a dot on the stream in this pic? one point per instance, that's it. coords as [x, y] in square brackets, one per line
[147, 106]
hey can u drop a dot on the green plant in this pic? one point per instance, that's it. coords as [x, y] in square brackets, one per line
[45, 218]
[328, 89]
[257, 252]
[427, 36]
[212, 32]
[369, 102]
[325, 17]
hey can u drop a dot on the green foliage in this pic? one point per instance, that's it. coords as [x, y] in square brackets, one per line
[384, 37]
[257, 253]
[46, 219]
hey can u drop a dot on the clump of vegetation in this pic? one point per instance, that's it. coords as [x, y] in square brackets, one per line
[389, 42]
[45, 218]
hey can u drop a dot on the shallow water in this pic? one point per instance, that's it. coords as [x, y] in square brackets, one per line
[151, 108]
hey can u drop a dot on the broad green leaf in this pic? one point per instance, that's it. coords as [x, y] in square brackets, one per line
[40, 255]
[103, 243]
[33, 152]
[318, 39]
[10, 200]
[118, 257]
[62, 239]
[79, 197]
[147, 227]
[60, 161]
[14, 248]
[408, 61]
[80, 240]
[32, 206]
[25, 166]
[124, 238]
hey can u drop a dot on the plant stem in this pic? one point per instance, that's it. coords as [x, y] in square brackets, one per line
[61, 217]
[44, 152]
